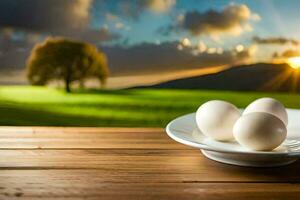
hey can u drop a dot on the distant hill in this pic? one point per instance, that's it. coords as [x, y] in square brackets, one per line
[259, 76]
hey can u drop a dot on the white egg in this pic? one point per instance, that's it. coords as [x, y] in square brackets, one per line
[259, 131]
[268, 105]
[216, 118]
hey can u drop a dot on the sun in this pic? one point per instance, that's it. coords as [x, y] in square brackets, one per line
[294, 62]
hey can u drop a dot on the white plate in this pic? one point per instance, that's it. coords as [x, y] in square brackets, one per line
[184, 130]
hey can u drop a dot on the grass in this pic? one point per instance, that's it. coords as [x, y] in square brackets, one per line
[39, 106]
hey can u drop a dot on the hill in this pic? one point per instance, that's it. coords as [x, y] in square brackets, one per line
[259, 76]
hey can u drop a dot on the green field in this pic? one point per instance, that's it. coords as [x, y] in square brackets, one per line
[26, 105]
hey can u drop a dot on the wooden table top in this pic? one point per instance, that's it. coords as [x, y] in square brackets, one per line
[126, 163]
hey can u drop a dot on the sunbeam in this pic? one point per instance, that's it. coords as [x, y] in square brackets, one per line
[294, 62]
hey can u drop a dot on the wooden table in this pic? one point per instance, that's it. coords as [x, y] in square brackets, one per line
[126, 163]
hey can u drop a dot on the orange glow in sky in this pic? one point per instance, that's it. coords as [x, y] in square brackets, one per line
[294, 62]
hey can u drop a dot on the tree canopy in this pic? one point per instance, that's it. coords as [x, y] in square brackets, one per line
[66, 60]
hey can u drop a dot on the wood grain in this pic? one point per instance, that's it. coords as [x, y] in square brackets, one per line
[125, 163]
[87, 138]
[141, 165]
[212, 191]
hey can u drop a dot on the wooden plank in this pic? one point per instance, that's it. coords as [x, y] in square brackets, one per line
[41, 129]
[102, 190]
[125, 163]
[130, 165]
[88, 138]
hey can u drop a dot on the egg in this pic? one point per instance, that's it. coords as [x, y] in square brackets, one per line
[259, 131]
[268, 105]
[216, 118]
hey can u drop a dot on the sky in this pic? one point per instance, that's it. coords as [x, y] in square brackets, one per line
[145, 37]
[277, 18]
[269, 19]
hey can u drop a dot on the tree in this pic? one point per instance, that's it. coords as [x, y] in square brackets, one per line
[66, 60]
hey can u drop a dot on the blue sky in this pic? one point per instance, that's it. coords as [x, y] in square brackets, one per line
[278, 18]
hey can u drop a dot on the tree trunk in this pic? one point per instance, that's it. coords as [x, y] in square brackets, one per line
[68, 80]
[67, 85]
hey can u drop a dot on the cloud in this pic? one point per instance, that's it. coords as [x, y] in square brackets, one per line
[149, 58]
[60, 17]
[91, 35]
[233, 19]
[132, 9]
[54, 15]
[111, 17]
[11, 40]
[13, 52]
[275, 40]
[159, 6]
[287, 54]
[141, 59]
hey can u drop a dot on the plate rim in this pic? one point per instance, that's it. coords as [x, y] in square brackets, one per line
[209, 148]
